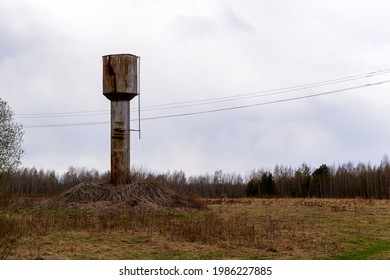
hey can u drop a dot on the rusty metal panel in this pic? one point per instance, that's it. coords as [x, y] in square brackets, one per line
[120, 81]
[120, 141]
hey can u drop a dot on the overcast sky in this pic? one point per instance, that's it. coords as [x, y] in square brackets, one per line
[207, 51]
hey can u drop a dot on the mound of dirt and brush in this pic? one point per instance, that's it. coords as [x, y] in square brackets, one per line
[145, 195]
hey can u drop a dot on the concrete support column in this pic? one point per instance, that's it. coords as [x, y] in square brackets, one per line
[120, 141]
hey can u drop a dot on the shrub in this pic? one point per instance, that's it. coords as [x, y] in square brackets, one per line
[9, 234]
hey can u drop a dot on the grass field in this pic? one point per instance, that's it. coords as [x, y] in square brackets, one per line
[274, 228]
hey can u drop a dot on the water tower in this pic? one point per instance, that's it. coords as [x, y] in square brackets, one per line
[120, 85]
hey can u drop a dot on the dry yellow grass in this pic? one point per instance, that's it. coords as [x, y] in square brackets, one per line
[229, 229]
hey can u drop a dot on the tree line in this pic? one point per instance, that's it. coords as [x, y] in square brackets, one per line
[30, 181]
[344, 181]
[326, 181]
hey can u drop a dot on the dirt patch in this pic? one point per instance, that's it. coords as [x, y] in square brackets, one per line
[143, 195]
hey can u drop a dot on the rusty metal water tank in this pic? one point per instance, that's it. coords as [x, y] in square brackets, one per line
[120, 76]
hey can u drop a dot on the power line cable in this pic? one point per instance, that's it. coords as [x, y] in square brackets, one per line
[64, 124]
[225, 108]
[201, 102]
[266, 103]
[272, 91]
[59, 114]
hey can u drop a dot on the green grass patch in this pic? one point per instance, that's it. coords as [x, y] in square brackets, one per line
[366, 249]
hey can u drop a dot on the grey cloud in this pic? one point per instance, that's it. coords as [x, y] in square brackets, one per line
[222, 20]
[235, 21]
[10, 44]
[195, 27]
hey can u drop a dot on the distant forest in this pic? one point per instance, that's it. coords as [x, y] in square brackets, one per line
[343, 181]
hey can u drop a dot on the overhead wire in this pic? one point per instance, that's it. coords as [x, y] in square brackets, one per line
[59, 115]
[264, 93]
[48, 115]
[228, 108]
[193, 103]
[266, 103]
[208, 101]
[64, 124]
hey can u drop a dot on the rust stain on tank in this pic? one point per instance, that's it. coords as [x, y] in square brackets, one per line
[111, 74]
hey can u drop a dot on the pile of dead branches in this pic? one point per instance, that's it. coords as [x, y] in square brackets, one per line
[149, 195]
